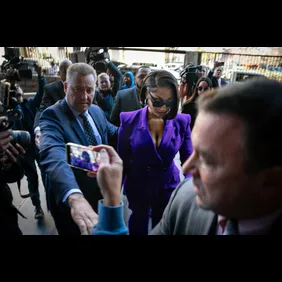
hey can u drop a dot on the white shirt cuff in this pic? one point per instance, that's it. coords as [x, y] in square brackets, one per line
[69, 193]
[37, 128]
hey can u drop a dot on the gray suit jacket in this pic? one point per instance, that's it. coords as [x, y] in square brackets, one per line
[182, 215]
[126, 101]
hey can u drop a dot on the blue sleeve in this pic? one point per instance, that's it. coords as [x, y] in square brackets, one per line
[111, 129]
[111, 221]
[38, 96]
[117, 75]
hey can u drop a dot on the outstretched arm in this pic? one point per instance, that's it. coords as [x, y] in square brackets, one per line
[109, 177]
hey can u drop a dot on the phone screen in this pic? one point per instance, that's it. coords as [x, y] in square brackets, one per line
[82, 157]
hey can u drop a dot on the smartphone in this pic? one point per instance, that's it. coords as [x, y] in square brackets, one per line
[82, 157]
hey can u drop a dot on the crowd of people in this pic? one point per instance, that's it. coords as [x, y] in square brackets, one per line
[228, 143]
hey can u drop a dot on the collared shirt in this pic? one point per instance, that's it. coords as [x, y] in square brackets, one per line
[251, 226]
[96, 133]
[219, 82]
[95, 130]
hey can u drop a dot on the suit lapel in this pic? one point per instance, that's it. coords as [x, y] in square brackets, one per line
[136, 97]
[201, 222]
[61, 91]
[168, 134]
[97, 121]
[75, 124]
[144, 131]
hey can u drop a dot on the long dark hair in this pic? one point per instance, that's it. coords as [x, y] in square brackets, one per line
[161, 78]
[195, 94]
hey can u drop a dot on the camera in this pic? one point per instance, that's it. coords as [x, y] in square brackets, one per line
[19, 136]
[9, 113]
[14, 68]
[190, 75]
[191, 70]
[96, 57]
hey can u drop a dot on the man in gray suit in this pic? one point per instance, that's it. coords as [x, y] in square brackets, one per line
[236, 166]
[128, 100]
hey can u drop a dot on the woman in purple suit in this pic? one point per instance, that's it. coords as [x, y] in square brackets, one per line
[148, 141]
[85, 162]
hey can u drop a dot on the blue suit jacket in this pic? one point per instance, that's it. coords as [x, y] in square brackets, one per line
[58, 127]
[147, 169]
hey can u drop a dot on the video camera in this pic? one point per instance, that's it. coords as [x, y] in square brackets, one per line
[14, 68]
[96, 57]
[9, 113]
[190, 75]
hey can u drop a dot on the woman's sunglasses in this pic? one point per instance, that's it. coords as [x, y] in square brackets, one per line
[160, 103]
[202, 88]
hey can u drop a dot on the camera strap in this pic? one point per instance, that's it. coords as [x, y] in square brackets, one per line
[19, 187]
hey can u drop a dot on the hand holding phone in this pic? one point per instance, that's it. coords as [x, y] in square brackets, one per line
[82, 157]
[109, 176]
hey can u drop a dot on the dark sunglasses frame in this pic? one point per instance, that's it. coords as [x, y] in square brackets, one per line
[202, 88]
[160, 103]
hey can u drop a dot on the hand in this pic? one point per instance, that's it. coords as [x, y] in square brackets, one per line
[38, 69]
[109, 175]
[11, 154]
[5, 139]
[217, 64]
[82, 213]
[37, 138]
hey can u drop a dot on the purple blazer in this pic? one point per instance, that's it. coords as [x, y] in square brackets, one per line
[147, 169]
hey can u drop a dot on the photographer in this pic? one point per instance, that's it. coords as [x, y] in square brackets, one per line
[11, 170]
[105, 93]
[215, 75]
[189, 107]
[189, 78]
[29, 107]
[99, 59]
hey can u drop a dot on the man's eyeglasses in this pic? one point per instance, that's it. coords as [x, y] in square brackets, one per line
[160, 103]
[202, 88]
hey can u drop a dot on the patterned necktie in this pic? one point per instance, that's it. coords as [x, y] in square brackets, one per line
[88, 130]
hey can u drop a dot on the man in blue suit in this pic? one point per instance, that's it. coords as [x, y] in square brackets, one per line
[128, 100]
[72, 197]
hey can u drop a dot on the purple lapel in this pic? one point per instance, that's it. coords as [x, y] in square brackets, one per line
[167, 134]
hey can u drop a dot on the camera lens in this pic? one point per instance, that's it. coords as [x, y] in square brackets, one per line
[100, 67]
[22, 137]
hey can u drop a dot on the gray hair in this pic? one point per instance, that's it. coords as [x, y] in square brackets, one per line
[103, 74]
[81, 69]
